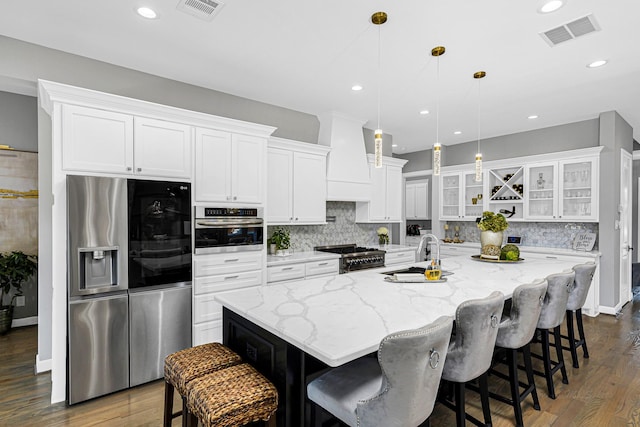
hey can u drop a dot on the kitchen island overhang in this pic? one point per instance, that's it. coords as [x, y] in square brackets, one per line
[290, 330]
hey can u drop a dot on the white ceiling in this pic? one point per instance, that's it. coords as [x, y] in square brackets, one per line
[306, 56]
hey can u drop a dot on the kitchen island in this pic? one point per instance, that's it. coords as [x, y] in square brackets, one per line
[293, 329]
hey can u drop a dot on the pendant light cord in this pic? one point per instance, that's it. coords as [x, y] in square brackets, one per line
[478, 116]
[379, 73]
[438, 99]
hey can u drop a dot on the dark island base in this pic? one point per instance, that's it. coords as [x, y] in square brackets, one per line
[288, 367]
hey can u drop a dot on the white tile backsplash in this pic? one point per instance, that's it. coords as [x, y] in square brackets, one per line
[541, 234]
[344, 230]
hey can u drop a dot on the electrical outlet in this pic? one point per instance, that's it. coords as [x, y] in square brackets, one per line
[20, 301]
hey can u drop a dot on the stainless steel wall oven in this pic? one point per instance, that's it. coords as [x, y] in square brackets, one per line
[228, 229]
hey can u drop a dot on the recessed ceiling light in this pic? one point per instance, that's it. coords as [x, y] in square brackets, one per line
[356, 88]
[533, 116]
[394, 145]
[424, 112]
[551, 6]
[596, 64]
[146, 12]
[457, 132]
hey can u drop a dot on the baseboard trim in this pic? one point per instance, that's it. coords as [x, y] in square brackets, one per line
[610, 310]
[42, 365]
[25, 321]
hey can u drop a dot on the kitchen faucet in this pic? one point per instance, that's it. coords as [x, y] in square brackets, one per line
[435, 239]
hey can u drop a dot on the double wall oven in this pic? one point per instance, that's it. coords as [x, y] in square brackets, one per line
[220, 230]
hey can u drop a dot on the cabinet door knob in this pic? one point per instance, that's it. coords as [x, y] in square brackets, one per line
[235, 197]
[296, 218]
[139, 169]
[129, 168]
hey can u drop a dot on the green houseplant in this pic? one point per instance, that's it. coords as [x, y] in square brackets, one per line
[282, 239]
[491, 225]
[15, 268]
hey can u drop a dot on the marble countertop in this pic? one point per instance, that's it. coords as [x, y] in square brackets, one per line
[340, 318]
[298, 257]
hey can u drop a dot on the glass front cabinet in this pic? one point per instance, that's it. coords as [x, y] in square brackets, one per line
[565, 190]
[460, 196]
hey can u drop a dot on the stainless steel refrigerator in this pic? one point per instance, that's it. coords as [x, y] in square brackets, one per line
[129, 281]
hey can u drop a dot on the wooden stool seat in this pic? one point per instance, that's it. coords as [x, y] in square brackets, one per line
[232, 397]
[182, 367]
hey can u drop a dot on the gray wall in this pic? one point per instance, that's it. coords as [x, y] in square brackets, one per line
[29, 62]
[615, 134]
[19, 129]
[19, 121]
[565, 137]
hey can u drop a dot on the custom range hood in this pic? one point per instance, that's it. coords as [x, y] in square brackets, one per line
[347, 166]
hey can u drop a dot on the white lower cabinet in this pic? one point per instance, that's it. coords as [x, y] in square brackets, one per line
[400, 257]
[215, 274]
[591, 306]
[301, 270]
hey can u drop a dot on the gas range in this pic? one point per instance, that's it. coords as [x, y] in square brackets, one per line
[353, 257]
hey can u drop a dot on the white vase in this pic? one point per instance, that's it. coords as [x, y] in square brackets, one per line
[491, 242]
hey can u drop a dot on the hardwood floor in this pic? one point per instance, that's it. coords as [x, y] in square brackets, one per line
[604, 391]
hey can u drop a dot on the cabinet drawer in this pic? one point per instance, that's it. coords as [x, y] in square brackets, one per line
[204, 333]
[207, 265]
[285, 272]
[206, 309]
[404, 257]
[449, 251]
[225, 282]
[316, 268]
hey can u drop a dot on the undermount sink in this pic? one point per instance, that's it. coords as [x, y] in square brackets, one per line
[415, 270]
[419, 270]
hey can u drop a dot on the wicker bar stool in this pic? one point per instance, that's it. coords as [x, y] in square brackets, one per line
[182, 367]
[232, 397]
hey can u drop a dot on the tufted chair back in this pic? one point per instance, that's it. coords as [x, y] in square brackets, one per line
[411, 363]
[582, 283]
[518, 329]
[472, 346]
[555, 301]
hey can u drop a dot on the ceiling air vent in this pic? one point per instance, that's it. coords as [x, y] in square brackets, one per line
[570, 30]
[203, 9]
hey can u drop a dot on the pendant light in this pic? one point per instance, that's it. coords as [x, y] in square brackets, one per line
[437, 51]
[479, 75]
[378, 19]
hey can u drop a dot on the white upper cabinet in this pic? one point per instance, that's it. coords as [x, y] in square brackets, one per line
[97, 140]
[229, 168]
[103, 141]
[460, 196]
[417, 200]
[386, 192]
[162, 148]
[564, 190]
[296, 182]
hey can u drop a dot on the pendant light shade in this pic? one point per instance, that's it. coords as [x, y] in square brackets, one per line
[437, 150]
[378, 19]
[437, 51]
[378, 147]
[479, 75]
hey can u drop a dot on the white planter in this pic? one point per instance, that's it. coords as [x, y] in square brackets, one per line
[491, 242]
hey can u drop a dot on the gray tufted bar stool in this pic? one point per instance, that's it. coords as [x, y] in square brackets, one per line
[397, 390]
[470, 353]
[551, 317]
[515, 333]
[577, 298]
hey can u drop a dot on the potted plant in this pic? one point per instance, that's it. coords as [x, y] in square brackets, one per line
[281, 238]
[491, 225]
[15, 268]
